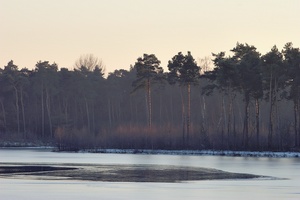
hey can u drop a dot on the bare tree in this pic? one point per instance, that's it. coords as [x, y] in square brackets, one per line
[89, 62]
[206, 64]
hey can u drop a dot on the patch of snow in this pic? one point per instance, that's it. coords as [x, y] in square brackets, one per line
[199, 152]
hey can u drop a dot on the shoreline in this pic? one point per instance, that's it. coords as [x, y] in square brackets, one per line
[228, 153]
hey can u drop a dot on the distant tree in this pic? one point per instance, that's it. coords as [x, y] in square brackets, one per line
[11, 83]
[292, 65]
[45, 82]
[23, 90]
[121, 106]
[247, 62]
[89, 87]
[90, 70]
[3, 122]
[148, 71]
[274, 79]
[206, 64]
[68, 94]
[184, 70]
[224, 78]
[257, 94]
[84, 109]
[88, 63]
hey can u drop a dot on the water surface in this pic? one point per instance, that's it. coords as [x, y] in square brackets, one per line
[286, 168]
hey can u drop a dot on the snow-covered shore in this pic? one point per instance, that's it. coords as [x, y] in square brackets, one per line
[271, 154]
[21, 144]
[199, 152]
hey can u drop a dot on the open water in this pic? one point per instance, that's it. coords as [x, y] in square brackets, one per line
[287, 170]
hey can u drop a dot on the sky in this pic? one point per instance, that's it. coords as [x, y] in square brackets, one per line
[120, 31]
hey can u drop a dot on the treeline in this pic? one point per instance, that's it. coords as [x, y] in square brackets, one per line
[248, 101]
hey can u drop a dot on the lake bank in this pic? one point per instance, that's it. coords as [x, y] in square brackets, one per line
[198, 152]
[230, 153]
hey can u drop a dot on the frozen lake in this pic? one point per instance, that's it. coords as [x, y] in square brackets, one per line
[286, 168]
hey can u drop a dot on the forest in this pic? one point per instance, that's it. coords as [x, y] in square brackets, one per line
[246, 101]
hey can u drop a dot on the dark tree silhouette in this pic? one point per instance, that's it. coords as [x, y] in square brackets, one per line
[45, 81]
[148, 71]
[274, 78]
[89, 62]
[12, 83]
[224, 79]
[185, 71]
[247, 62]
[81, 108]
[292, 65]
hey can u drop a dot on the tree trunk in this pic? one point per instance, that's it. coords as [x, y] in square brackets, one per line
[276, 116]
[160, 110]
[49, 112]
[257, 122]
[109, 113]
[149, 104]
[171, 110]
[188, 119]
[183, 118]
[223, 121]
[131, 112]
[4, 114]
[203, 111]
[270, 136]
[87, 115]
[23, 113]
[43, 112]
[234, 132]
[18, 109]
[296, 121]
[119, 111]
[65, 104]
[136, 114]
[298, 118]
[270, 115]
[93, 126]
[230, 113]
[246, 121]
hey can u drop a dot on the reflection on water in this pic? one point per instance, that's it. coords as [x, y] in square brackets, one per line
[229, 189]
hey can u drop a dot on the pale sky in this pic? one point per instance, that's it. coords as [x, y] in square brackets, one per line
[120, 31]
